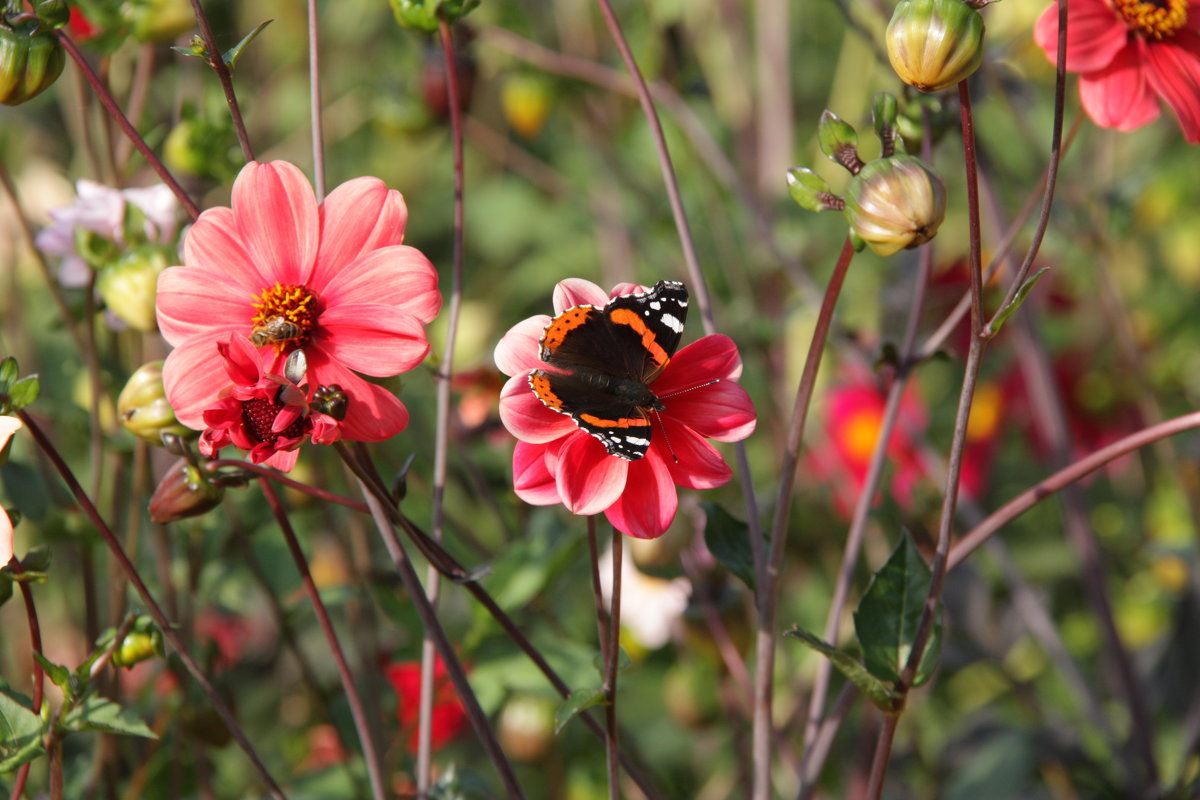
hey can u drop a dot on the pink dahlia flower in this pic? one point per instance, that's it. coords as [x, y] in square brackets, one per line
[264, 414]
[1127, 52]
[555, 461]
[332, 279]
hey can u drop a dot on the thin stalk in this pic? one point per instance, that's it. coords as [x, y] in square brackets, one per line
[371, 754]
[768, 573]
[958, 441]
[144, 71]
[445, 376]
[858, 524]
[39, 677]
[114, 110]
[218, 66]
[314, 100]
[416, 593]
[266, 472]
[152, 606]
[611, 744]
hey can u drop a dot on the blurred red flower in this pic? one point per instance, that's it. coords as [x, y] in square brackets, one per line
[449, 716]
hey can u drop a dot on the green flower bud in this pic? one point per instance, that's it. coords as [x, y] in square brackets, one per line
[52, 13]
[895, 203]
[128, 286]
[933, 44]
[143, 406]
[139, 646]
[30, 61]
[423, 15]
[183, 492]
[158, 21]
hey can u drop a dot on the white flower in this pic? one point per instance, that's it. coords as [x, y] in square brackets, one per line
[650, 606]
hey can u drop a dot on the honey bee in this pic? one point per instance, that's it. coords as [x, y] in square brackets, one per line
[274, 330]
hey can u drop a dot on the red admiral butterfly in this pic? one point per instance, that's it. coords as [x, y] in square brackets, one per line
[603, 361]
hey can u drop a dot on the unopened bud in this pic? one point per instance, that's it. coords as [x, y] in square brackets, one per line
[30, 61]
[423, 15]
[895, 203]
[330, 400]
[128, 286]
[143, 406]
[183, 492]
[139, 646]
[933, 44]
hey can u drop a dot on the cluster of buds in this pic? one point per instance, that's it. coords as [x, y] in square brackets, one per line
[892, 203]
[31, 58]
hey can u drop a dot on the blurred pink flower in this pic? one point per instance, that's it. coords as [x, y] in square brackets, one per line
[449, 715]
[555, 461]
[332, 279]
[1128, 51]
[8, 426]
[262, 413]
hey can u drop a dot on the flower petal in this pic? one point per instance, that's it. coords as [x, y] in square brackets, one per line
[692, 461]
[283, 460]
[720, 411]
[1173, 69]
[373, 339]
[8, 426]
[647, 507]
[1119, 96]
[276, 215]
[527, 418]
[7, 540]
[373, 413]
[709, 358]
[357, 217]
[195, 301]
[589, 479]
[577, 292]
[215, 242]
[532, 480]
[243, 363]
[1095, 34]
[193, 375]
[517, 352]
[397, 276]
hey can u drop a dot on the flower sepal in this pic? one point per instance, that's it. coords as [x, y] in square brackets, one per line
[811, 192]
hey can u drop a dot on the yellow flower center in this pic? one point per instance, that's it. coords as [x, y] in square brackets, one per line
[284, 316]
[860, 435]
[1153, 19]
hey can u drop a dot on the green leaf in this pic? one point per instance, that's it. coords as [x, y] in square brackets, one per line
[105, 716]
[21, 732]
[888, 615]
[8, 373]
[1018, 300]
[728, 539]
[579, 700]
[836, 136]
[810, 191]
[59, 675]
[35, 565]
[623, 661]
[24, 392]
[880, 693]
[231, 56]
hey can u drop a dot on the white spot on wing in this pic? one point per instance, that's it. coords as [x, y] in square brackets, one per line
[672, 322]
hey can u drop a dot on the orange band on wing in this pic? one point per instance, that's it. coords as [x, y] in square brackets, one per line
[599, 422]
[631, 319]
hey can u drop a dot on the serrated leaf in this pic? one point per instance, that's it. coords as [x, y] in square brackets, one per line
[21, 732]
[231, 56]
[879, 692]
[728, 539]
[105, 716]
[889, 613]
[1018, 300]
[577, 701]
[8, 373]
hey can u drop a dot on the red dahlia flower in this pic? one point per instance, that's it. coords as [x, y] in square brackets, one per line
[333, 280]
[449, 716]
[1128, 51]
[260, 412]
[556, 461]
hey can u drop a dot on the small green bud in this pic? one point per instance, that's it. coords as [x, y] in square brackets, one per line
[143, 406]
[895, 203]
[934, 44]
[139, 646]
[52, 13]
[183, 492]
[883, 115]
[128, 286]
[30, 61]
[330, 400]
[423, 15]
[839, 141]
[810, 191]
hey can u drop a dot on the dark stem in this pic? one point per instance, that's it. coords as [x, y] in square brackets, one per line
[152, 606]
[218, 66]
[371, 754]
[768, 573]
[114, 110]
[266, 472]
[35, 643]
[611, 744]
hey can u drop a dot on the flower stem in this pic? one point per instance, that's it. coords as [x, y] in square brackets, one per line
[314, 100]
[106, 99]
[371, 753]
[35, 643]
[218, 66]
[883, 747]
[266, 472]
[152, 606]
[768, 571]
[611, 744]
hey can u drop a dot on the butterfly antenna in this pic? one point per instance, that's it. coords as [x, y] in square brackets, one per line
[690, 389]
[666, 436]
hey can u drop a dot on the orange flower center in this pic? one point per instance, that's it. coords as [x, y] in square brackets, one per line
[283, 316]
[1153, 19]
[860, 435]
